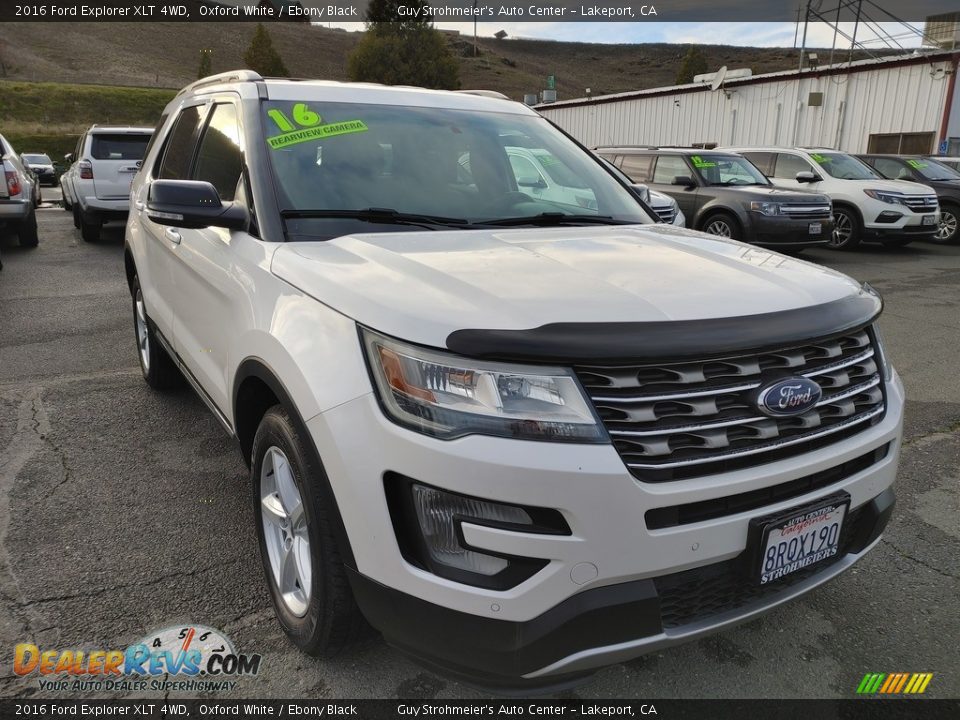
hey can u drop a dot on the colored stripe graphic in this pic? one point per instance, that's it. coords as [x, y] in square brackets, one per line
[894, 683]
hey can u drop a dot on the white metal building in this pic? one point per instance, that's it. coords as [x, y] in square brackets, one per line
[903, 104]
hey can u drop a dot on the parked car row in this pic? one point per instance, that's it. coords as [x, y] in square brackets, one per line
[797, 197]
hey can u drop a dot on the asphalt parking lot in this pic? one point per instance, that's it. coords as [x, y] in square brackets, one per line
[123, 511]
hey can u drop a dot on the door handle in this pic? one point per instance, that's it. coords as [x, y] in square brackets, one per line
[172, 235]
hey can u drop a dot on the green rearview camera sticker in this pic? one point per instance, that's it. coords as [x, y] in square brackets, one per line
[316, 133]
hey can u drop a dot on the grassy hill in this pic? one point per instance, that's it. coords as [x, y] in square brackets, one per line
[56, 76]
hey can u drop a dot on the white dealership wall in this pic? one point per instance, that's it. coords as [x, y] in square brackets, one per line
[899, 95]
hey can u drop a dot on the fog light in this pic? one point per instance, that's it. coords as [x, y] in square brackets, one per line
[888, 216]
[439, 514]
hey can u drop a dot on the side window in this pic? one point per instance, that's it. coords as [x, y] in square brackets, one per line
[637, 167]
[669, 167]
[789, 165]
[155, 136]
[763, 161]
[219, 160]
[524, 170]
[175, 164]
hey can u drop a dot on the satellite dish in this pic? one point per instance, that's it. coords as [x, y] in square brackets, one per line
[718, 78]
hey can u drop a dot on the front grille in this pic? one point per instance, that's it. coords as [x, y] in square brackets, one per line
[807, 211]
[921, 203]
[702, 593]
[685, 419]
[666, 213]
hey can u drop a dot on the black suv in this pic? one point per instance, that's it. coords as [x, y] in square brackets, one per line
[723, 193]
[942, 178]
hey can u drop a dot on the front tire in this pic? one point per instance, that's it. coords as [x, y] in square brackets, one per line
[301, 558]
[947, 231]
[846, 229]
[157, 367]
[723, 225]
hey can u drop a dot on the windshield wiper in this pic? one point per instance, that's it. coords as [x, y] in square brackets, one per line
[556, 218]
[382, 216]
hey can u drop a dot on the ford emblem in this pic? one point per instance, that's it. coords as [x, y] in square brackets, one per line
[792, 396]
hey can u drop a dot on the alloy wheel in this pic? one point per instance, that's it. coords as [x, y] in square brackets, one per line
[948, 226]
[842, 229]
[285, 531]
[719, 227]
[143, 334]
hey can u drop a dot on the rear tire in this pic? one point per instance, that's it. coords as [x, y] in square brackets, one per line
[67, 205]
[305, 573]
[723, 225]
[27, 232]
[947, 233]
[76, 216]
[158, 369]
[846, 229]
[89, 228]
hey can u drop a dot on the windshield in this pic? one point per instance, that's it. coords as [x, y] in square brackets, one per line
[727, 170]
[932, 170]
[437, 164]
[38, 159]
[844, 167]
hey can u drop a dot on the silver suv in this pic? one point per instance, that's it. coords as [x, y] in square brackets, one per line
[96, 188]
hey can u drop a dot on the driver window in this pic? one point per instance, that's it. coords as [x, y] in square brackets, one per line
[788, 166]
[524, 171]
[669, 167]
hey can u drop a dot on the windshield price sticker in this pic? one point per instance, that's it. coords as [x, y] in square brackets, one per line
[917, 164]
[699, 162]
[820, 159]
[307, 126]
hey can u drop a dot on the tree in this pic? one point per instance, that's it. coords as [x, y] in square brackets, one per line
[408, 51]
[206, 64]
[262, 57]
[694, 63]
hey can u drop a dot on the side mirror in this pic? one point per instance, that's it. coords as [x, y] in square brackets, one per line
[69, 157]
[531, 182]
[641, 191]
[805, 176]
[685, 181]
[192, 204]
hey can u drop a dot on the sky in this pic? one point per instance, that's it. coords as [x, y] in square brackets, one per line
[756, 34]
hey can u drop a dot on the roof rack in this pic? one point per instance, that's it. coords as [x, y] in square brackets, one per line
[224, 77]
[485, 93]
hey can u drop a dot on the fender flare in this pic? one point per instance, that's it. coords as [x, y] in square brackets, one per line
[254, 367]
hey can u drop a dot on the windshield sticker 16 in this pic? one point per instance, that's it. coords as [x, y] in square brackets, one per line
[820, 159]
[916, 164]
[699, 162]
[309, 121]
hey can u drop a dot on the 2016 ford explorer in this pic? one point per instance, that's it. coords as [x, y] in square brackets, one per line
[522, 439]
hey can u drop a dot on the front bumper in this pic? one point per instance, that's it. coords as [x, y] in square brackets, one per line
[878, 222]
[773, 231]
[557, 625]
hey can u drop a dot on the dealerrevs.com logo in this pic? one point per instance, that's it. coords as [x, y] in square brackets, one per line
[190, 658]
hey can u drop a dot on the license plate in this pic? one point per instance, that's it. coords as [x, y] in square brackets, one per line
[929, 219]
[815, 228]
[799, 541]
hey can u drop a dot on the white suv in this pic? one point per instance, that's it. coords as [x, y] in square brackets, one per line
[96, 186]
[865, 205]
[522, 441]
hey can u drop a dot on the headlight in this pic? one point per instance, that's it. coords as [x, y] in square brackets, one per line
[765, 208]
[887, 197]
[448, 396]
[679, 219]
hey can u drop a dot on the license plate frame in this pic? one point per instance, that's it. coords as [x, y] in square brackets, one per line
[815, 228]
[761, 529]
[929, 220]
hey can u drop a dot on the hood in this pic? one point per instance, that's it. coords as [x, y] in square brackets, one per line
[776, 194]
[899, 186]
[423, 286]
